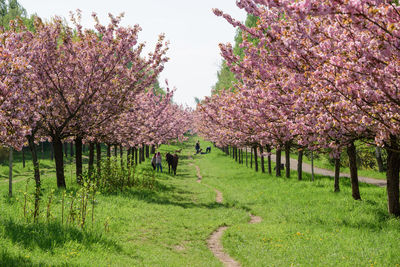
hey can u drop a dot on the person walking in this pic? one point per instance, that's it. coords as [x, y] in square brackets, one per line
[197, 147]
[158, 161]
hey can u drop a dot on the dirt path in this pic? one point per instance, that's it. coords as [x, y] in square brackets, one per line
[255, 219]
[214, 241]
[307, 168]
[214, 244]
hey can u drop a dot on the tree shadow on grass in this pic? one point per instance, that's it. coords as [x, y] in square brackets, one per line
[48, 236]
[183, 157]
[344, 181]
[9, 260]
[178, 200]
[6, 259]
[375, 225]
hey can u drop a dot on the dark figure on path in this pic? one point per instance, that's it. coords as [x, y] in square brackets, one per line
[172, 162]
[153, 162]
[208, 150]
[197, 147]
[282, 166]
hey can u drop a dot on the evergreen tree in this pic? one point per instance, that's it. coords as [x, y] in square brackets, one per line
[11, 10]
[225, 76]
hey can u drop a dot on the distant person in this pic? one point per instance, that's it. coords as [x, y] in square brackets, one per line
[158, 161]
[208, 150]
[197, 147]
[153, 162]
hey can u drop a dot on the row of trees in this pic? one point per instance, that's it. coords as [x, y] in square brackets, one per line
[70, 84]
[313, 75]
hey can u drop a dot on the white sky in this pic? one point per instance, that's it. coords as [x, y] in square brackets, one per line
[193, 30]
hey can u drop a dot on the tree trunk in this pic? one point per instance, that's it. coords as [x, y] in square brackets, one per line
[71, 149]
[147, 151]
[128, 157]
[140, 155]
[121, 155]
[115, 151]
[78, 159]
[246, 157]
[153, 149]
[351, 152]
[269, 160]
[287, 159]
[236, 157]
[51, 151]
[378, 153]
[392, 177]
[108, 151]
[59, 158]
[136, 156]
[300, 165]
[98, 159]
[251, 157]
[255, 158]
[10, 172]
[66, 149]
[32, 147]
[337, 174]
[91, 160]
[143, 157]
[278, 163]
[23, 158]
[262, 159]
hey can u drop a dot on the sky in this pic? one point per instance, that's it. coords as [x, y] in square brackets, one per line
[192, 29]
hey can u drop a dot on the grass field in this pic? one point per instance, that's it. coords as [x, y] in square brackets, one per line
[304, 223]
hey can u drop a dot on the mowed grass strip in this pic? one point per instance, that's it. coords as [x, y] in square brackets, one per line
[167, 226]
[304, 223]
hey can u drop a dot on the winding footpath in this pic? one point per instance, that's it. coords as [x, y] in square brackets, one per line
[214, 241]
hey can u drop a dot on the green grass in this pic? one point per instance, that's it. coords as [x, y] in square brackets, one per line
[304, 223]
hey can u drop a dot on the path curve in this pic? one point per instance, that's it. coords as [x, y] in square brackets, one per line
[214, 241]
[214, 244]
[325, 172]
[255, 219]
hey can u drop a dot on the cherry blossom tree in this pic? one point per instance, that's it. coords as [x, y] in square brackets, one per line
[80, 73]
